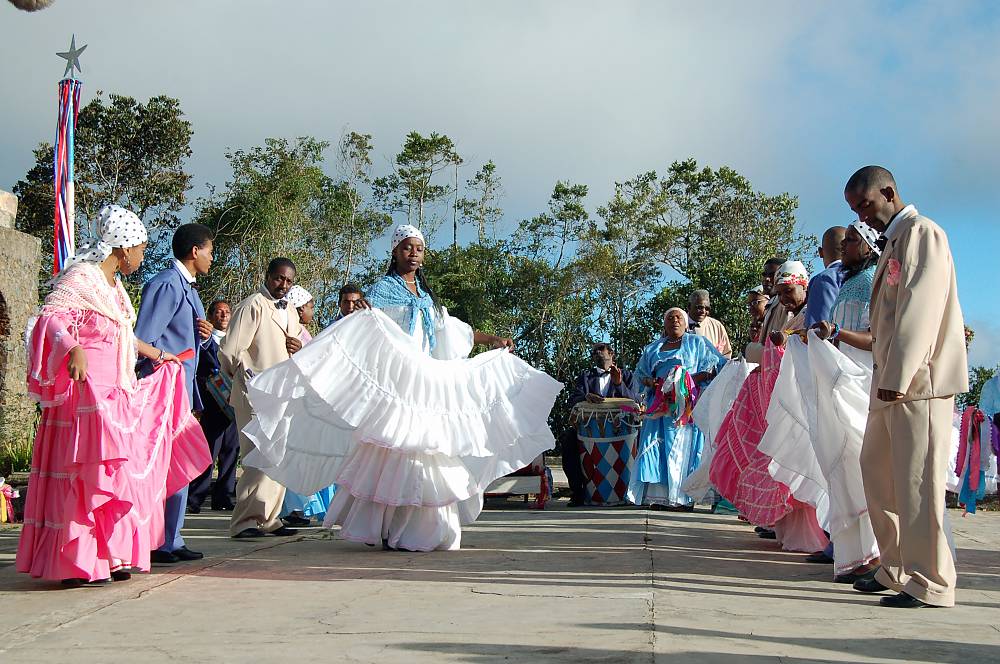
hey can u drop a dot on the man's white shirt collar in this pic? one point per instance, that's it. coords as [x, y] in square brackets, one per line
[905, 213]
[184, 271]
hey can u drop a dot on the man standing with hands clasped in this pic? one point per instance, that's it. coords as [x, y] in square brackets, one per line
[172, 318]
[262, 333]
[920, 365]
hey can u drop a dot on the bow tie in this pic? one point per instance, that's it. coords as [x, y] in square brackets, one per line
[881, 242]
[695, 324]
[194, 285]
[600, 373]
[280, 304]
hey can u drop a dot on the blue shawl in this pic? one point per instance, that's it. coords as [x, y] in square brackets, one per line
[391, 291]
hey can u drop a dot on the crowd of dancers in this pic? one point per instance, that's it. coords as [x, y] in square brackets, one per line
[831, 433]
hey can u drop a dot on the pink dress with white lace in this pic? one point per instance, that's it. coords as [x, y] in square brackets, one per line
[740, 470]
[106, 455]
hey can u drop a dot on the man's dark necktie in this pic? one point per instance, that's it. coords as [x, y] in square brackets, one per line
[881, 243]
[281, 304]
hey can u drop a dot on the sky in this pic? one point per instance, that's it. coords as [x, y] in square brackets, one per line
[793, 95]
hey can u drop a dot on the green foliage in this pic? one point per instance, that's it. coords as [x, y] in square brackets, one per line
[483, 210]
[15, 454]
[127, 153]
[411, 187]
[977, 378]
[280, 203]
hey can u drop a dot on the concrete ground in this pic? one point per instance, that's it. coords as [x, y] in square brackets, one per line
[561, 585]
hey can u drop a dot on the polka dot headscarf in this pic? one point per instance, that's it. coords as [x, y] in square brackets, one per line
[868, 234]
[117, 228]
[404, 232]
[297, 296]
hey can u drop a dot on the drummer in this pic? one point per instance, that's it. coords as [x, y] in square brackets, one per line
[604, 379]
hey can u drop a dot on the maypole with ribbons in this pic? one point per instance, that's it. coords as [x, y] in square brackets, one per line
[64, 236]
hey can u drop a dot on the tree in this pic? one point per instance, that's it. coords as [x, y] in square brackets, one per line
[363, 224]
[483, 211]
[268, 209]
[411, 187]
[127, 153]
[619, 260]
[715, 231]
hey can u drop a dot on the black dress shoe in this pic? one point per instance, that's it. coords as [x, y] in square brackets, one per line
[185, 553]
[854, 577]
[76, 583]
[163, 557]
[820, 558]
[284, 531]
[576, 502]
[249, 533]
[767, 534]
[293, 520]
[869, 585]
[759, 529]
[121, 575]
[904, 601]
[223, 507]
[194, 509]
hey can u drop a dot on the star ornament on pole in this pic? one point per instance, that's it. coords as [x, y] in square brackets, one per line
[72, 58]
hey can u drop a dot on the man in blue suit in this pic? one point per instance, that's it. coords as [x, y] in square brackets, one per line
[172, 318]
[604, 379]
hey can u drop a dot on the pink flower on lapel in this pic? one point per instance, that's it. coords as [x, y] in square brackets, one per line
[894, 269]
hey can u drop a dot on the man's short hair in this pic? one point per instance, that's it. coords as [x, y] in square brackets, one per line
[348, 289]
[277, 263]
[215, 303]
[189, 236]
[868, 178]
[602, 345]
[699, 294]
[775, 260]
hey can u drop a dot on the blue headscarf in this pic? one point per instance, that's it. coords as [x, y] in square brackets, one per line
[391, 291]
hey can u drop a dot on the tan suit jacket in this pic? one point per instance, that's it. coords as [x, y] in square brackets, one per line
[255, 340]
[715, 331]
[916, 320]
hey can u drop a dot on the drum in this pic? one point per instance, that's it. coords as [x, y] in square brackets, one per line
[607, 433]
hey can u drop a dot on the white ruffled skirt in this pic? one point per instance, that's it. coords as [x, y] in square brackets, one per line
[411, 441]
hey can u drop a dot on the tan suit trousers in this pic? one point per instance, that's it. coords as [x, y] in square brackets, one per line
[904, 461]
[258, 497]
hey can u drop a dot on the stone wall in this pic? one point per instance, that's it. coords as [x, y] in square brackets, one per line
[19, 264]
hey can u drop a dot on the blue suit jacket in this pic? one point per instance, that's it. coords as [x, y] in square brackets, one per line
[823, 290]
[590, 383]
[167, 315]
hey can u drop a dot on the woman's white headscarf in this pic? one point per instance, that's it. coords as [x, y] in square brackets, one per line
[792, 272]
[403, 232]
[687, 319]
[117, 228]
[868, 234]
[297, 296]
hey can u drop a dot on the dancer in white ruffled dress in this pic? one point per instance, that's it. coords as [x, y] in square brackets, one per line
[819, 411]
[385, 405]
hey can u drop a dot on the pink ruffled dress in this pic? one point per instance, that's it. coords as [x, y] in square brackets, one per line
[106, 455]
[740, 470]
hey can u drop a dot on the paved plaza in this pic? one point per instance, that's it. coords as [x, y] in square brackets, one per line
[560, 585]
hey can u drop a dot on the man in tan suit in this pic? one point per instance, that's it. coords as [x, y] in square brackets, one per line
[920, 365]
[262, 333]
